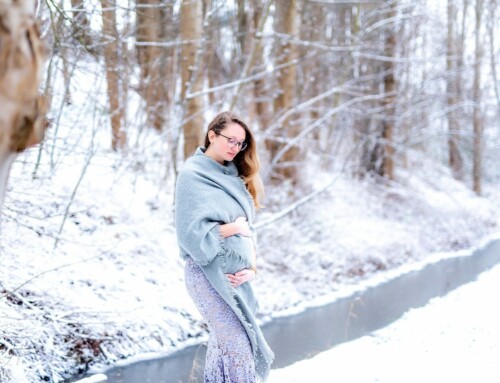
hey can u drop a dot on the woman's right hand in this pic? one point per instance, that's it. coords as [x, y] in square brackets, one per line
[243, 227]
[239, 226]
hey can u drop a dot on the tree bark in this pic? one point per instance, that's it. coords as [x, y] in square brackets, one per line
[493, 57]
[289, 18]
[191, 31]
[255, 49]
[454, 157]
[80, 23]
[476, 91]
[260, 91]
[22, 54]
[243, 37]
[111, 49]
[372, 75]
[313, 29]
[390, 98]
[151, 58]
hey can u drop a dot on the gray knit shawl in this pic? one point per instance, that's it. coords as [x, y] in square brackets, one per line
[207, 195]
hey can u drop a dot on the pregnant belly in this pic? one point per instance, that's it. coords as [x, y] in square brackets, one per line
[240, 253]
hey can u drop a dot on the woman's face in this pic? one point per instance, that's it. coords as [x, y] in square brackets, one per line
[220, 149]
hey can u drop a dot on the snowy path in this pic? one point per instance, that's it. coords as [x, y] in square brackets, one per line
[453, 339]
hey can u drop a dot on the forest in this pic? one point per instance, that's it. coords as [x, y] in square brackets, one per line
[378, 130]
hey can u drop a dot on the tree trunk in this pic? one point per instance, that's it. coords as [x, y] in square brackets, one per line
[260, 91]
[313, 29]
[493, 19]
[454, 157]
[255, 48]
[80, 23]
[22, 52]
[289, 17]
[476, 90]
[152, 60]
[191, 30]
[243, 36]
[376, 77]
[360, 124]
[169, 33]
[390, 98]
[459, 81]
[111, 49]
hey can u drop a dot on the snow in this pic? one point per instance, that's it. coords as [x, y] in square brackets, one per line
[90, 273]
[454, 338]
[97, 378]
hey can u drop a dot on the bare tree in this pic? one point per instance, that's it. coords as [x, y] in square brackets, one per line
[288, 19]
[191, 32]
[454, 157]
[313, 72]
[477, 119]
[368, 73]
[493, 55]
[80, 23]
[253, 49]
[260, 88]
[390, 94]
[215, 66]
[151, 59]
[111, 51]
[22, 53]
[168, 57]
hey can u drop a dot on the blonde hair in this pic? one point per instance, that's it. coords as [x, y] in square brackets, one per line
[246, 161]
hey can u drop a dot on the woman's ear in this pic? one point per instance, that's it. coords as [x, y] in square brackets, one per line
[211, 135]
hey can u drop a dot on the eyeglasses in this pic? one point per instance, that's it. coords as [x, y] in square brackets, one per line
[232, 142]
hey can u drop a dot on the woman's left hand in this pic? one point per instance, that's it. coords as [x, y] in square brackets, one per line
[240, 277]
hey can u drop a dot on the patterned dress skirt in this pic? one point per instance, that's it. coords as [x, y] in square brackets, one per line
[229, 353]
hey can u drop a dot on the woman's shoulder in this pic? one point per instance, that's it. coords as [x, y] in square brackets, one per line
[192, 171]
[187, 173]
[191, 165]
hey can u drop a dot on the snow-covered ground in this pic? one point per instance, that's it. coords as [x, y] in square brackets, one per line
[455, 338]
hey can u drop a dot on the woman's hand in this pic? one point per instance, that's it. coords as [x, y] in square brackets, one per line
[239, 226]
[240, 277]
[243, 227]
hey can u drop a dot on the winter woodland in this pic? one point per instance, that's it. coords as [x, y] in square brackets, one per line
[378, 131]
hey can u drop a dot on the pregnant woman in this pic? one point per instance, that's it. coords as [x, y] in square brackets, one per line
[217, 191]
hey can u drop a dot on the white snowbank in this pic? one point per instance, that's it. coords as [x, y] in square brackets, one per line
[98, 378]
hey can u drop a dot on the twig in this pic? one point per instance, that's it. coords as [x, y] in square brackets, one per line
[295, 205]
[320, 122]
[52, 270]
[87, 162]
[256, 76]
[256, 42]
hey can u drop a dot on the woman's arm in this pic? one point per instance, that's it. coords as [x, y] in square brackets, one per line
[239, 226]
[241, 277]
[244, 275]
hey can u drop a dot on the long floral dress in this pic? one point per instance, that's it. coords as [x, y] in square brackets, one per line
[229, 355]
